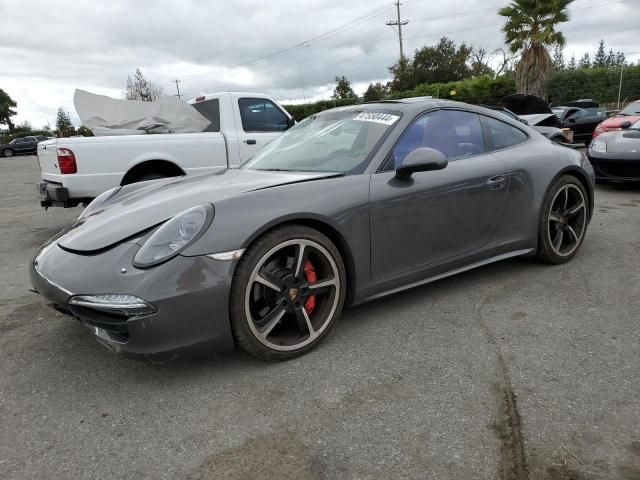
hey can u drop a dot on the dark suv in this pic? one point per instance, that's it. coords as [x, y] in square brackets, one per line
[21, 146]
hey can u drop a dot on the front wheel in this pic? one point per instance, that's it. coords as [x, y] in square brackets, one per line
[287, 293]
[7, 152]
[563, 221]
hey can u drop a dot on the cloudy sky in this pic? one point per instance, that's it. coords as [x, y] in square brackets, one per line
[291, 49]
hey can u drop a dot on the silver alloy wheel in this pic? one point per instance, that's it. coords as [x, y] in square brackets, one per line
[278, 282]
[8, 153]
[567, 220]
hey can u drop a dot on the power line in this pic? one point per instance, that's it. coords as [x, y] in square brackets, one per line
[304, 44]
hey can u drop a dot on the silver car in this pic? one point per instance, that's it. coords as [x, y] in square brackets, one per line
[347, 206]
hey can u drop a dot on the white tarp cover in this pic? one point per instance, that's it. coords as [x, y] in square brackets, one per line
[106, 116]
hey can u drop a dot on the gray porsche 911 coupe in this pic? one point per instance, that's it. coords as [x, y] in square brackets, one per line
[347, 206]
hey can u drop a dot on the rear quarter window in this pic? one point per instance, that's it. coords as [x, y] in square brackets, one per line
[501, 134]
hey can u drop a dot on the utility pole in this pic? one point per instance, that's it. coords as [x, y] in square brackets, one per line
[178, 88]
[399, 23]
[620, 85]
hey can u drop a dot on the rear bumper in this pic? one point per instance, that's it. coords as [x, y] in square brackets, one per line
[190, 295]
[55, 195]
[618, 167]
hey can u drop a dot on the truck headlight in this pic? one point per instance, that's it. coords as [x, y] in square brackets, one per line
[174, 236]
[599, 145]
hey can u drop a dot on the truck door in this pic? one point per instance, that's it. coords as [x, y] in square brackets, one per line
[259, 121]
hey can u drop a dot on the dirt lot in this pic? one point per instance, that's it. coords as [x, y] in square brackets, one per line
[513, 371]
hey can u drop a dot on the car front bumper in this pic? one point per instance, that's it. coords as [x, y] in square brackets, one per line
[619, 167]
[190, 296]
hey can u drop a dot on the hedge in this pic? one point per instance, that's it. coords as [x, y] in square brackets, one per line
[599, 84]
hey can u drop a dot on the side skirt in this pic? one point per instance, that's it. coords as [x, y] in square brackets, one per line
[450, 273]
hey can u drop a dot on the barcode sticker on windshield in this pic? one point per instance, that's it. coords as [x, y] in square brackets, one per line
[385, 118]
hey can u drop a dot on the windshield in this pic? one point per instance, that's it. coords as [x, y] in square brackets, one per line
[335, 141]
[631, 109]
[558, 112]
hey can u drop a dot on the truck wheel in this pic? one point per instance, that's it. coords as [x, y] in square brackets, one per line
[7, 152]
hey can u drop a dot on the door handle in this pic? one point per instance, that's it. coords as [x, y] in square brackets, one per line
[250, 141]
[497, 182]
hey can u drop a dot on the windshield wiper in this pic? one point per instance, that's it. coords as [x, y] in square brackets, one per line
[273, 169]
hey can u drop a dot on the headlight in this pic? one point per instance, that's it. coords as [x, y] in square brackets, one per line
[174, 236]
[98, 201]
[599, 145]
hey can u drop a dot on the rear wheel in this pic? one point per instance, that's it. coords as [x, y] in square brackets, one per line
[7, 152]
[287, 293]
[563, 221]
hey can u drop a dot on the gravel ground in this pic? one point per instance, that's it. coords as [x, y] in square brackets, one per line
[512, 371]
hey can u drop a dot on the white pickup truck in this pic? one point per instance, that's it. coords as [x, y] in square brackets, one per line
[76, 170]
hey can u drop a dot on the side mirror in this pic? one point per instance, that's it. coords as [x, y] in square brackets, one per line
[290, 122]
[624, 125]
[571, 120]
[421, 160]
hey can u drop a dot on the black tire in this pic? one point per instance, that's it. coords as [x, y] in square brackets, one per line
[255, 260]
[573, 225]
[7, 152]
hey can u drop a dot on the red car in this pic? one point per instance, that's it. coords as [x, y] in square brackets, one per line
[630, 113]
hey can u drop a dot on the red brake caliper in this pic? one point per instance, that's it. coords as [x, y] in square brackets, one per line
[310, 274]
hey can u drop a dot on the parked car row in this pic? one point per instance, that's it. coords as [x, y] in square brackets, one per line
[349, 205]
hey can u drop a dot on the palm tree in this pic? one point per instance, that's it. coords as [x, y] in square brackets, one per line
[531, 29]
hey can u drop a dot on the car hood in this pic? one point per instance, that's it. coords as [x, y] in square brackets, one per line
[129, 213]
[623, 141]
[541, 119]
[614, 122]
[521, 104]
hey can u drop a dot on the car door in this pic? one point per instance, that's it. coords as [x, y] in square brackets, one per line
[437, 215]
[30, 145]
[261, 120]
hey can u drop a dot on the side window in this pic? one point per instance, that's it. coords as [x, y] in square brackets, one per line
[502, 134]
[261, 115]
[210, 109]
[455, 133]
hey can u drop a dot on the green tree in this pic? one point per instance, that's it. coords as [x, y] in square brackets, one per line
[443, 63]
[479, 62]
[343, 89]
[611, 59]
[558, 59]
[620, 59]
[600, 59]
[139, 88]
[375, 92]
[63, 124]
[7, 106]
[531, 28]
[402, 76]
[84, 131]
[585, 61]
[572, 65]
[25, 127]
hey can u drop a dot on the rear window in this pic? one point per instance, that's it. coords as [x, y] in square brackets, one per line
[210, 109]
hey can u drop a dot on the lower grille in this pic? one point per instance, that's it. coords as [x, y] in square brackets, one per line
[618, 169]
[113, 323]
